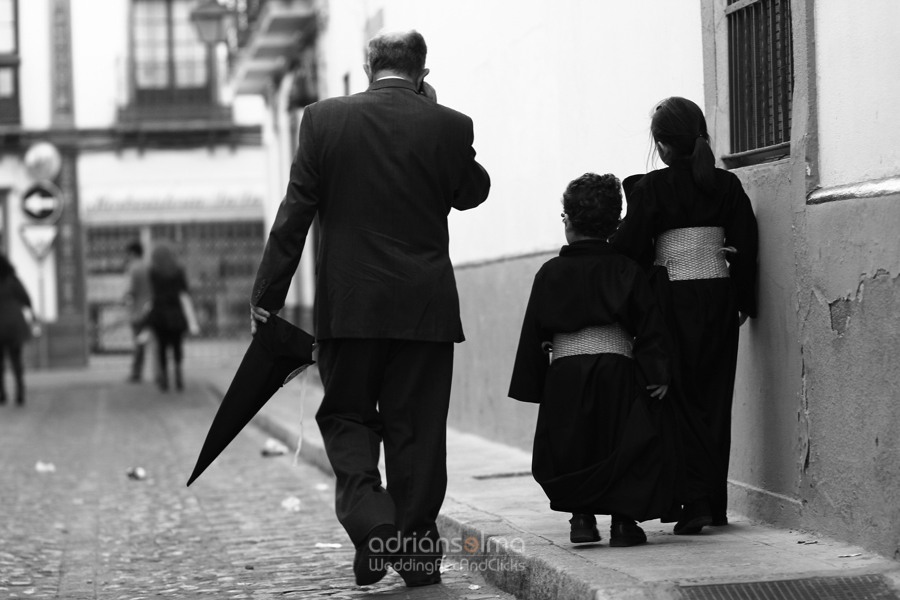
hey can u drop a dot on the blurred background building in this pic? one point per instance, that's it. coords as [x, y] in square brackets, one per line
[153, 149]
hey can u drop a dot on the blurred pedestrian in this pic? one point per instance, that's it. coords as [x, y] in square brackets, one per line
[696, 222]
[382, 169]
[167, 318]
[599, 445]
[138, 299]
[15, 329]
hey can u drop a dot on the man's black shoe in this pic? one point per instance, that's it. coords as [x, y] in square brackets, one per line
[423, 581]
[584, 529]
[626, 533]
[696, 516]
[372, 558]
[719, 521]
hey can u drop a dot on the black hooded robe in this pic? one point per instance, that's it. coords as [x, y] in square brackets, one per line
[702, 314]
[600, 445]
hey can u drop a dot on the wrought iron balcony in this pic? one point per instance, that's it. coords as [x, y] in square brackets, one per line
[271, 35]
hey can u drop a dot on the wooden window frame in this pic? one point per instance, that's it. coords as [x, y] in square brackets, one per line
[171, 95]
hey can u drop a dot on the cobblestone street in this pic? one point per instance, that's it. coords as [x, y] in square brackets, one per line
[82, 528]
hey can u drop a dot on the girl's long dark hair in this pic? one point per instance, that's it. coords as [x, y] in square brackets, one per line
[679, 123]
[163, 261]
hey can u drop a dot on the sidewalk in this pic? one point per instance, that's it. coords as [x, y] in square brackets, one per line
[492, 497]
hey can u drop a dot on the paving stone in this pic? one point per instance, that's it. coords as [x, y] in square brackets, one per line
[88, 531]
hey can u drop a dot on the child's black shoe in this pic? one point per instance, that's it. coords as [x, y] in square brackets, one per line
[625, 532]
[696, 516]
[584, 529]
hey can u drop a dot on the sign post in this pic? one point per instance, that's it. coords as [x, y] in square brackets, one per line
[42, 204]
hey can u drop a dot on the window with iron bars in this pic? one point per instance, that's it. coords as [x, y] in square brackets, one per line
[761, 80]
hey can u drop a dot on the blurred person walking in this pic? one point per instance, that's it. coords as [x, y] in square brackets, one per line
[382, 169]
[138, 299]
[167, 317]
[15, 329]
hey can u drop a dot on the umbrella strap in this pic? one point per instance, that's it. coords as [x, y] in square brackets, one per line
[303, 384]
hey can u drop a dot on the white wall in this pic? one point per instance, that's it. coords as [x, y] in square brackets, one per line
[857, 68]
[99, 60]
[192, 178]
[555, 89]
[34, 71]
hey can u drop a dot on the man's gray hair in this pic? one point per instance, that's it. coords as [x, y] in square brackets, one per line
[401, 51]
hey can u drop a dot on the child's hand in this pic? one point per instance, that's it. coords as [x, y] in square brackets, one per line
[658, 391]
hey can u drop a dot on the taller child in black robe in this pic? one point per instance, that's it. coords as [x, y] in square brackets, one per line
[704, 314]
[598, 447]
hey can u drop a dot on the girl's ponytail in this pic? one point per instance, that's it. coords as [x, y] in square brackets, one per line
[703, 165]
[679, 123]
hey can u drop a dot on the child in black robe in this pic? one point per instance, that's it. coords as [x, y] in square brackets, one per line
[598, 447]
[671, 214]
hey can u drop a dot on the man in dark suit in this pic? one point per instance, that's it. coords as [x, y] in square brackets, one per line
[382, 169]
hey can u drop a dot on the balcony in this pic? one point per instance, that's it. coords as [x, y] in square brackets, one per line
[271, 35]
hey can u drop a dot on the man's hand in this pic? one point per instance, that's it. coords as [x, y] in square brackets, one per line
[428, 91]
[258, 314]
[658, 391]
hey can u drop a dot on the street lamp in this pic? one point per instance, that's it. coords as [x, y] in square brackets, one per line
[210, 19]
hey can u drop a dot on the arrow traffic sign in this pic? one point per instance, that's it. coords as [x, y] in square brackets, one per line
[43, 201]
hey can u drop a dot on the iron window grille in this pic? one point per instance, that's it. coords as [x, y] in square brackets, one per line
[761, 80]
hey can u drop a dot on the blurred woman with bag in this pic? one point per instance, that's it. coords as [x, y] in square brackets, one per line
[14, 327]
[167, 317]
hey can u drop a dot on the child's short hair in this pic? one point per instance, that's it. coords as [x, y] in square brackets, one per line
[593, 204]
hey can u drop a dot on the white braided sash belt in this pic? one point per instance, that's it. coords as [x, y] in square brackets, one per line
[600, 339]
[693, 253]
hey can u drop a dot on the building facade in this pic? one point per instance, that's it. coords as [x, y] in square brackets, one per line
[154, 149]
[558, 89]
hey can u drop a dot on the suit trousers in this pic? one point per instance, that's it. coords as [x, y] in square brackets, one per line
[395, 392]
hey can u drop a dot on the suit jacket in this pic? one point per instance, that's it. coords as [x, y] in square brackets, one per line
[381, 169]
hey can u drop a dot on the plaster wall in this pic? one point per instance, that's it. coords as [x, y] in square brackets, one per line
[493, 297]
[857, 61]
[767, 448]
[555, 89]
[850, 332]
[99, 62]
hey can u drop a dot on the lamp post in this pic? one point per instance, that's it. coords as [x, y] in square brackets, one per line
[211, 20]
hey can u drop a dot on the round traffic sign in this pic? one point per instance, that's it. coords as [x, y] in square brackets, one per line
[43, 161]
[43, 201]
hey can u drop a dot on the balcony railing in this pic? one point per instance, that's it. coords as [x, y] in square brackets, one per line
[247, 13]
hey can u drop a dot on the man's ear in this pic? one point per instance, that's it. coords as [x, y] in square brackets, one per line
[421, 78]
[368, 71]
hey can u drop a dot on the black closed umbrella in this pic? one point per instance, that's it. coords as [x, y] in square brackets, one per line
[279, 352]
